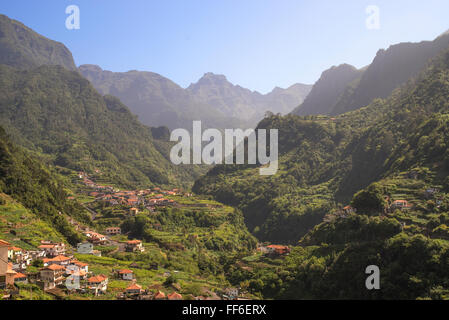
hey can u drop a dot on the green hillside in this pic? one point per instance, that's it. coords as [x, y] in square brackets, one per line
[59, 114]
[28, 182]
[324, 161]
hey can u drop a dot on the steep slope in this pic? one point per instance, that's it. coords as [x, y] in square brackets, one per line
[213, 99]
[327, 90]
[58, 113]
[27, 181]
[324, 161]
[23, 48]
[390, 69]
[154, 99]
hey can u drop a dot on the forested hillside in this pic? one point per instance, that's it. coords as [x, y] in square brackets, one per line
[26, 180]
[57, 113]
[324, 161]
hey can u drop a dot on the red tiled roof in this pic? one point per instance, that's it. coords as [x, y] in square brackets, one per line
[134, 286]
[55, 267]
[59, 258]
[99, 278]
[19, 275]
[159, 295]
[174, 296]
[134, 242]
[125, 271]
[274, 246]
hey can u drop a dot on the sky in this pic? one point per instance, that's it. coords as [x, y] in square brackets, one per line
[258, 44]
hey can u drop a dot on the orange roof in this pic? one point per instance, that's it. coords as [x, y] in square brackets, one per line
[80, 264]
[125, 271]
[159, 295]
[134, 286]
[19, 275]
[59, 258]
[174, 296]
[46, 246]
[55, 267]
[133, 241]
[3, 243]
[275, 246]
[15, 249]
[99, 278]
[400, 201]
[347, 207]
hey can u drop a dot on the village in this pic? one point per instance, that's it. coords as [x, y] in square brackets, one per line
[58, 269]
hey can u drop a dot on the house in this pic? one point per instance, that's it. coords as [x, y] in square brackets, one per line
[37, 254]
[59, 260]
[134, 289]
[20, 277]
[81, 265]
[134, 245]
[400, 204]
[98, 283]
[113, 230]
[348, 210]
[232, 292]
[52, 249]
[133, 211]
[174, 296]
[159, 296]
[6, 272]
[126, 274]
[278, 250]
[52, 275]
[96, 238]
[14, 252]
[85, 248]
[78, 268]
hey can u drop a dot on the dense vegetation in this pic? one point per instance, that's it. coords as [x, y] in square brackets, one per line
[27, 181]
[324, 161]
[58, 113]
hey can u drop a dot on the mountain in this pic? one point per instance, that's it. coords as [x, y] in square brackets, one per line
[23, 48]
[344, 88]
[327, 90]
[57, 113]
[154, 99]
[324, 161]
[390, 69]
[48, 107]
[236, 101]
[213, 99]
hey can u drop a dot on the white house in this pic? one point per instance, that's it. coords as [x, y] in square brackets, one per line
[126, 274]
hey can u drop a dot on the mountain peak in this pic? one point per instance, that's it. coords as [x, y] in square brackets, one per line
[210, 76]
[90, 67]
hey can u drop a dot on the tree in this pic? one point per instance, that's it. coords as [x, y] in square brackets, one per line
[370, 200]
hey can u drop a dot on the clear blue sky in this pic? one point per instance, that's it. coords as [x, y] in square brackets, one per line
[258, 44]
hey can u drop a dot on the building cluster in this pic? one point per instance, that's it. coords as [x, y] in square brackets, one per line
[58, 269]
[149, 198]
